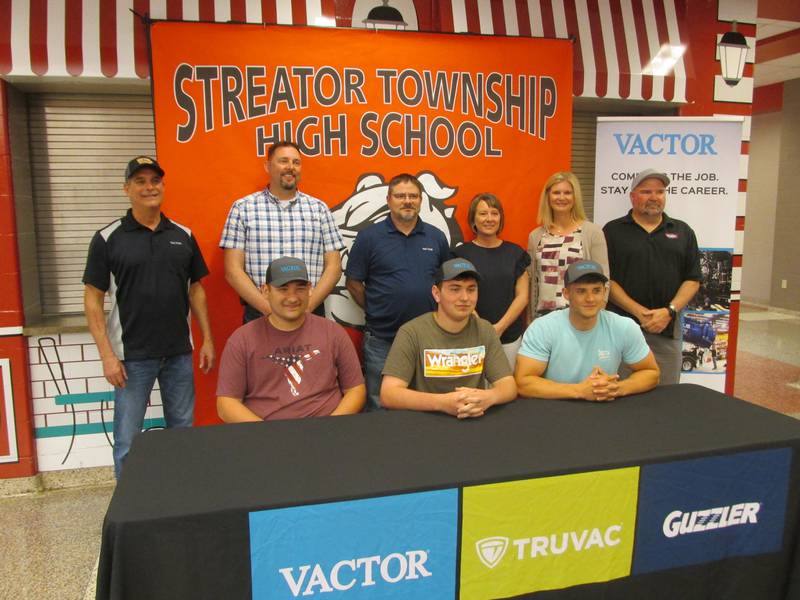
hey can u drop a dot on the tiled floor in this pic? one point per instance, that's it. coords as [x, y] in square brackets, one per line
[49, 542]
[768, 360]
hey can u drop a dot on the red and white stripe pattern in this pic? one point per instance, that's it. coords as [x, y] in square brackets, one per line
[614, 39]
[293, 368]
[738, 245]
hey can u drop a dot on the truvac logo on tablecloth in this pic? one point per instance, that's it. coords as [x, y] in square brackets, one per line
[492, 550]
[569, 541]
[701, 510]
[393, 547]
[526, 536]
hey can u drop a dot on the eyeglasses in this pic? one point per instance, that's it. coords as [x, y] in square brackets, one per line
[400, 196]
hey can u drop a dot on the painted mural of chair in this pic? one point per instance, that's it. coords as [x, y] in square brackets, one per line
[64, 398]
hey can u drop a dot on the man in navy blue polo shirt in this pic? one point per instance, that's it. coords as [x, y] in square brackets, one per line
[390, 272]
[151, 268]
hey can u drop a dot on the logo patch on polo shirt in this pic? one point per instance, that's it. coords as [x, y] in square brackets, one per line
[454, 362]
[672, 236]
[174, 243]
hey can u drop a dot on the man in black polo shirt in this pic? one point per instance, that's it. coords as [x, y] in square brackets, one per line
[151, 268]
[655, 269]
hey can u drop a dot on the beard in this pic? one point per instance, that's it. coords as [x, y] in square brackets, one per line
[288, 185]
[407, 213]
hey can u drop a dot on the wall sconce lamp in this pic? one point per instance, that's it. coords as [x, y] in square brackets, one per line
[384, 16]
[732, 53]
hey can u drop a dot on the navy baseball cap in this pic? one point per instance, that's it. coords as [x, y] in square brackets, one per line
[142, 162]
[285, 269]
[584, 269]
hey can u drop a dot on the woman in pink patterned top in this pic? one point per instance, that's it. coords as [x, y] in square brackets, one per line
[564, 236]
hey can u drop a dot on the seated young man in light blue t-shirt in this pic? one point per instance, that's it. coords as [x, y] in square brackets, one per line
[575, 353]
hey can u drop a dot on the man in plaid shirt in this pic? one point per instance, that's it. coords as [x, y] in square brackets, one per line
[280, 221]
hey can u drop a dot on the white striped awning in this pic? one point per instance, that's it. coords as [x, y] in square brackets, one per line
[614, 39]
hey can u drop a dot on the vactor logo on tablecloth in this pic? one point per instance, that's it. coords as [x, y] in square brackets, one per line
[701, 510]
[365, 571]
[393, 547]
[526, 536]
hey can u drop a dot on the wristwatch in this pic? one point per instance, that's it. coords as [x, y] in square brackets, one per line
[672, 311]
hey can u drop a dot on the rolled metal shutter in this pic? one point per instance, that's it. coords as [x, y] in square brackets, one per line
[584, 135]
[80, 144]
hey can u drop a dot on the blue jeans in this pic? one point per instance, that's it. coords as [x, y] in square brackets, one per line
[375, 352]
[176, 380]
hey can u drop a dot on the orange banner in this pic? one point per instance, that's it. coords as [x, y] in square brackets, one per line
[466, 113]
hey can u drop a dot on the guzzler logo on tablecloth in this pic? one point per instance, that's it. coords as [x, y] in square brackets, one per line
[702, 510]
[680, 523]
[393, 547]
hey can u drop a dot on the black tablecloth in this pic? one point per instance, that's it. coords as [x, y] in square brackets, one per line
[177, 525]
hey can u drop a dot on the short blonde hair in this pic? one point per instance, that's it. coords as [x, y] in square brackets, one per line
[546, 212]
[492, 201]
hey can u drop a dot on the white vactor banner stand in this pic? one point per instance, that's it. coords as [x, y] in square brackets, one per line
[701, 156]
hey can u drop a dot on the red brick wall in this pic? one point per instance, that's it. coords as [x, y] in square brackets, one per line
[13, 346]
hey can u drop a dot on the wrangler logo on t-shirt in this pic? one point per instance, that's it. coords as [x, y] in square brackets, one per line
[454, 362]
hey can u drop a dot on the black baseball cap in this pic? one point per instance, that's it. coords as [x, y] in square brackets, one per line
[142, 162]
[285, 269]
[584, 269]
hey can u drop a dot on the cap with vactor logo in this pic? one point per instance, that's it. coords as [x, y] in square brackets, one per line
[285, 269]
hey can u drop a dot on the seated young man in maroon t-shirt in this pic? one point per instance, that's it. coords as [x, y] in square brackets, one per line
[289, 364]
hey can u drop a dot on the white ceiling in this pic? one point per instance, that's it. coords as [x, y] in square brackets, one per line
[780, 69]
